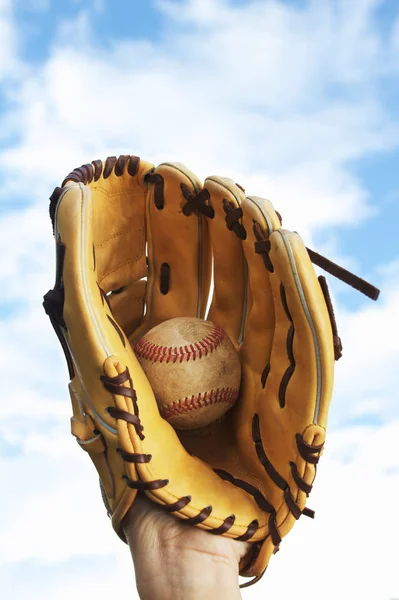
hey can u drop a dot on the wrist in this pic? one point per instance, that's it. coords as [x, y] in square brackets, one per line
[173, 561]
[186, 573]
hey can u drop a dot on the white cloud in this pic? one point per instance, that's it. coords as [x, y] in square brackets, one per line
[304, 103]
[8, 39]
[279, 98]
[64, 499]
[367, 376]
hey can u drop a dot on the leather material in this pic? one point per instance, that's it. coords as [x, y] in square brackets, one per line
[116, 230]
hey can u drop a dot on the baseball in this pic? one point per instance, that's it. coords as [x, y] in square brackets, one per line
[193, 368]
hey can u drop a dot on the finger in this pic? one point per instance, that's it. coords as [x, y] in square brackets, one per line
[229, 300]
[260, 220]
[117, 223]
[179, 259]
[302, 357]
[298, 378]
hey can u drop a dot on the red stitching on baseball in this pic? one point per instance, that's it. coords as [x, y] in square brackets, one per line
[189, 403]
[146, 349]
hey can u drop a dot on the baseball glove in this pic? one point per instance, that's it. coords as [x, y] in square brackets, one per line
[136, 245]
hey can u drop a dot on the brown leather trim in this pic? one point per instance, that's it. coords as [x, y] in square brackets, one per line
[164, 278]
[133, 457]
[346, 276]
[118, 379]
[264, 375]
[263, 249]
[247, 487]
[225, 526]
[265, 462]
[117, 413]
[196, 201]
[120, 164]
[292, 505]
[202, 516]
[120, 390]
[145, 485]
[309, 453]
[133, 166]
[290, 370]
[251, 530]
[301, 483]
[233, 216]
[178, 505]
[274, 534]
[254, 580]
[290, 352]
[104, 296]
[82, 174]
[73, 176]
[118, 330]
[114, 385]
[98, 169]
[336, 339]
[224, 475]
[109, 166]
[85, 174]
[88, 169]
[262, 246]
[157, 180]
[283, 297]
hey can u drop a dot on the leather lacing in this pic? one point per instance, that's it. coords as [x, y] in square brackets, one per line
[199, 201]
[157, 180]
[114, 385]
[263, 246]
[93, 171]
[308, 453]
[290, 350]
[233, 216]
[196, 201]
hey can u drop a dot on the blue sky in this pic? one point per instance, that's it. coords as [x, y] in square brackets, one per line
[296, 100]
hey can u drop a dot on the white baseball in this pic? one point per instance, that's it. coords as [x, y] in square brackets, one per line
[193, 368]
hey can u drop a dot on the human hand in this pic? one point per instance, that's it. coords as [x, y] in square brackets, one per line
[173, 560]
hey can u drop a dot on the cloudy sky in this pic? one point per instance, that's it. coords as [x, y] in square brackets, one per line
[298, 101]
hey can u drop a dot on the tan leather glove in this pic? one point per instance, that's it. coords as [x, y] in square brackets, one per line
[134, 247]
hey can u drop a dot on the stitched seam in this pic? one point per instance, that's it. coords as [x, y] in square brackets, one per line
[148, 350]
[188, 404]
[118, 234]
[124, 264]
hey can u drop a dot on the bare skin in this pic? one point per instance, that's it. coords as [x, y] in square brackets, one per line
[175, 561]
